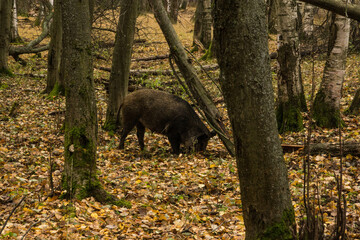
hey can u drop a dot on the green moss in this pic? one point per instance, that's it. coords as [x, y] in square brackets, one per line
[288, 116]
[324, 114]
[208, 54]
[56, 91]
[110, 125]
[282, 230]
[6, 72]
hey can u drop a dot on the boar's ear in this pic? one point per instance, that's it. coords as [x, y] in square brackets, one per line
[212, 133]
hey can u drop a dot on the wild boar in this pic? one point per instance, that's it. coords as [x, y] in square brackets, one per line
[163, 113]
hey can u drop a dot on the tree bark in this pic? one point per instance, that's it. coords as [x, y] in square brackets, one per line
[5, 19]
[240, 31]
[79, 176]
[355, 104]
[344, 9]
[119, 77]
[291, 97]
[54, 83]
[308, 21]
[326, 108]
[202, 26]
[14, 33]
[197, 90]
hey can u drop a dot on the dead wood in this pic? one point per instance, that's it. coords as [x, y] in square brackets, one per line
[352, 148]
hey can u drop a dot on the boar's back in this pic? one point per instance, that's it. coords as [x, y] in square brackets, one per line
[159, 111]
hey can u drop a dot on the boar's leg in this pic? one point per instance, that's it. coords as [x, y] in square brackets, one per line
[174, 139]
[140, 134]
[125, 131]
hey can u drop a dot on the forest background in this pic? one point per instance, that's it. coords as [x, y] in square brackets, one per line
[187, 196]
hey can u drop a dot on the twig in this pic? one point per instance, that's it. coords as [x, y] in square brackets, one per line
[12, 211]
[32, 225]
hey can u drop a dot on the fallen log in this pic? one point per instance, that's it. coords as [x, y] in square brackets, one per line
[352, 148]
[139, 73]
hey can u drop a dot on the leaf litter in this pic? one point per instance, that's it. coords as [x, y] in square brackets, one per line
[190, 196]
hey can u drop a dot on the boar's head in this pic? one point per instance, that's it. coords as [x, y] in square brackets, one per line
[199, 143]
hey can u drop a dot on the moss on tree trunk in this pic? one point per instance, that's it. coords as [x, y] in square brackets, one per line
[324, 113]
[288, 116]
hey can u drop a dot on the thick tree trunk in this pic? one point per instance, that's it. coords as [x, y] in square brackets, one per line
[291, 98]
[79, 176]
[119, 77]
[5, 19]
[197, 90]
[240, 31]
[54, 83]
[326, 109]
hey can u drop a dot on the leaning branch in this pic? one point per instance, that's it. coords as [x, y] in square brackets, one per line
[30, 47]
[345, 9]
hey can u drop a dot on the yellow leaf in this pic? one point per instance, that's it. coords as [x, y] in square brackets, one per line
[25, 209]
[94, 215]
[138, 181]
[212, 165]
[44, 169]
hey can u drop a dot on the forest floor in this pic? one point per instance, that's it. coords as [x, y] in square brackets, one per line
[190, 196]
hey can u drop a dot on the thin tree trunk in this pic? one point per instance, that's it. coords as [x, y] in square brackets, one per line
[119, 77]
[327, 101]
[14, 33]
[54, 83]
[240, 31]
[174, 10]
[291, 98]
[273, 7]
[202, 26]
[355, 104]
[79, 176]
[198, 91]
[308, 21]
[5, 19]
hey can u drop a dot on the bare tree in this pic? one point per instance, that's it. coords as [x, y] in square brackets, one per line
[291, 98]
[5, 18]
[79, 176]
[119, 77]
[55, 84]
[241, 36]
[327, 101]
[202, 26]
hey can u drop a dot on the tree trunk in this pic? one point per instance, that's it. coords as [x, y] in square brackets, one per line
[291, 98]
[79, 176]
[308, 21]
[326, 109]
[355, 104]
[202, 26]
[5, 19]
[14, 33]
[197, 90]
[240, 32]
[54, 83]
[273, 7]
[174, 10]
[344, 9]
[119, 77]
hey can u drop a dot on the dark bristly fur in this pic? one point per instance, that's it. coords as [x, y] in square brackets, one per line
[163, 113]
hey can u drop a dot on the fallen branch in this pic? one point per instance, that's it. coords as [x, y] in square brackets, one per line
[11, 213]
[352, 148]
[138, 73]
[159, 57]
[32, 225]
